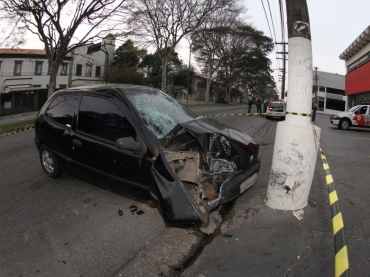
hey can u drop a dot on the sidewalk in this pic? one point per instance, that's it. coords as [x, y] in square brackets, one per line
[253, 240]
[259, 241]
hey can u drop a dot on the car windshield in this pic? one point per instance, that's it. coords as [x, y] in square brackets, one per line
[160, 112]
[353, 109]
[276, 104]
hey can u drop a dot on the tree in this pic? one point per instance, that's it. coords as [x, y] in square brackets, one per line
[163, 23]
[241, 48]
[128, 55]
[124, 68]
[206, 40]
[151, 67]
[56, 22]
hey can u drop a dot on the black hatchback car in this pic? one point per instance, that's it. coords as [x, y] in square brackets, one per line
[141, 143]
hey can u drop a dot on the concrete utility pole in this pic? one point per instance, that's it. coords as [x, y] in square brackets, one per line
[295, 151]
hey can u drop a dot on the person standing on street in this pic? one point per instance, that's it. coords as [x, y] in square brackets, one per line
[265, 104]
[249, 102]
[258, 105]
[314, 109]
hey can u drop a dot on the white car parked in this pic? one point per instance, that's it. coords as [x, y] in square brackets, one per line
[357, 116]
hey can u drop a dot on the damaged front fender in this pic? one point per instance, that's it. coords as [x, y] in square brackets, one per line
[176, 205]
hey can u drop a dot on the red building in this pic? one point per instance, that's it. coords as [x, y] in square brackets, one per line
[357, 79]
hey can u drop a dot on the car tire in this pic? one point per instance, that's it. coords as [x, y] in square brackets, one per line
[49, 162]
[344, 124]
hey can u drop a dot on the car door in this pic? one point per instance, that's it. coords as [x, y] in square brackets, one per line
[360, 116]
[367, 117]
[100, 124]
[59, 118]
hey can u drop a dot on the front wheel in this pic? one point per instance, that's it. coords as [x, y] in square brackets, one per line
[49, 162]
[344, 124]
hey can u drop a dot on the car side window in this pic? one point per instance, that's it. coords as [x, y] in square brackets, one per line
[102, 118]
[63, 108]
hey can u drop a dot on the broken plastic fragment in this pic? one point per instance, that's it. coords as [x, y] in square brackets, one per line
[133, 208]
[214, 221]
[298, 214]
[226, 145]
[217, 166]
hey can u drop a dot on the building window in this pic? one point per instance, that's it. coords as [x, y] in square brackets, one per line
[62, 86]
[38, 68]
[88, 70]
[17, 68]
[64, 69]
[97, 71]
[79, 70]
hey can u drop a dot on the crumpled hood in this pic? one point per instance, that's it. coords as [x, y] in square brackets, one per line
[226, 148]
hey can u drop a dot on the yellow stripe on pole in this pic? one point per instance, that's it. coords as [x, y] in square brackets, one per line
[329, 179]
[333, 197]
[337, 222]
[341, 261]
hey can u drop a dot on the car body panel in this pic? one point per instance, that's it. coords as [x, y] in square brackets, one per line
[357, 116]
[189, 172]
[276, 109]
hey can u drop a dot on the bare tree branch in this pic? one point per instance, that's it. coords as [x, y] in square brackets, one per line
[56, 22]
[163, 23]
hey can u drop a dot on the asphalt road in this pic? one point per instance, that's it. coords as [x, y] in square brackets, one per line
[348, 155]
[67, 227]
[63, 227]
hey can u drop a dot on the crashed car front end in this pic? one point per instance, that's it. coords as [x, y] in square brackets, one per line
[210, 163]
[199, 162]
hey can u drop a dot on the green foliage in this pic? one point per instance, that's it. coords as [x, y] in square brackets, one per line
[151, 66]
[124, 68]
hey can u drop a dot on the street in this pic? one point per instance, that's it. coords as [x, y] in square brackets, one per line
[67, 227]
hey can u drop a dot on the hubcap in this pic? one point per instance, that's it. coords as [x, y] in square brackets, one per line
[47, 162]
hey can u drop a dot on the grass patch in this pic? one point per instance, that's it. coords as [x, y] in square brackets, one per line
[16, 125]
[264, 197]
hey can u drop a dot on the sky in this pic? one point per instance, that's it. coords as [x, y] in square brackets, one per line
[335, 24]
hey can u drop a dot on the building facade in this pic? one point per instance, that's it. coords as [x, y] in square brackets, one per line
[24, 74]
[357, 61]
[330, 91]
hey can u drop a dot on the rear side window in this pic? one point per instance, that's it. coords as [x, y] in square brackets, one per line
[62, 108]
[276, 105]
[102, 118]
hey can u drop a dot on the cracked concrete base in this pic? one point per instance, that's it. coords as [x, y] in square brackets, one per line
[164, 255]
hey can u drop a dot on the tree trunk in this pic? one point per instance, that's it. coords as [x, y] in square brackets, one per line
[52, 80]
[164, 74]
[209, 81]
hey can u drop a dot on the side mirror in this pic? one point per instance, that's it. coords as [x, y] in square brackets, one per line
[128, 143]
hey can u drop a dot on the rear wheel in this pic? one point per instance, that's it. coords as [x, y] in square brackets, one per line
[49, 162]
[344, 124]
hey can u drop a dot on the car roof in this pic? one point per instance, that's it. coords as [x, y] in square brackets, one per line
[277, 102]
[106, 88]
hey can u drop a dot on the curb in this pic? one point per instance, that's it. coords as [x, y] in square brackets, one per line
[165, 255]
[15, 131]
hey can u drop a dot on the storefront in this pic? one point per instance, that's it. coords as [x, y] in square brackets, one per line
[330, 96]
[357, 79]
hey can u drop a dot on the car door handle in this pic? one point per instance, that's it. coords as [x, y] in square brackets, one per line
[77, 143]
